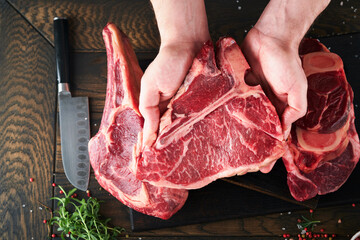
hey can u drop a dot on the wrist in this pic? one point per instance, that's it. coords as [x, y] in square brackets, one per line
[182, 38]
[184, 46]
[182, 22]
[178, 48]
[289, 20]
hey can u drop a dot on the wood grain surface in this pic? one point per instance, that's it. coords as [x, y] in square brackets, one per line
[88, 18]
[30, 146]
[226, 18]
[268, 227]
[272, 184]
[27, 120]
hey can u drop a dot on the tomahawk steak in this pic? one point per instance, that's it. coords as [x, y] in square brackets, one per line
[113, 148]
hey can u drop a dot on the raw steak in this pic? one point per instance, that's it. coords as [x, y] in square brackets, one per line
[114, 146]
[323, 148]
[216, 126]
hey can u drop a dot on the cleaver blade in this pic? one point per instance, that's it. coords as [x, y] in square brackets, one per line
[73, 115]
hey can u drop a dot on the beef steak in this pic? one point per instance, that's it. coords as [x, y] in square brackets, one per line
[323, 147]
[216, 126]
[113, 148]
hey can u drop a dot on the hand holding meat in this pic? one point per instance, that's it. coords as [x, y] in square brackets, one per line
[183, 30]
[271, 48]
[160, 82]
[276, 66]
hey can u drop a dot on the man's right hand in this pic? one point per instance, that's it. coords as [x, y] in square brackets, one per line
[183, 30]
[160, 82]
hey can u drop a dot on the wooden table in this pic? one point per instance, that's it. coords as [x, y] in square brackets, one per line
[30, 144]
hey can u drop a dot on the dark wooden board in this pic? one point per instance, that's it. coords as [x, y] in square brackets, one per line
[217, 201]
[269, 226]
[221, 199]
[272, 184]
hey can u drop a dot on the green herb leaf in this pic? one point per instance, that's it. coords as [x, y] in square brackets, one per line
[307, 223]
[83, 221]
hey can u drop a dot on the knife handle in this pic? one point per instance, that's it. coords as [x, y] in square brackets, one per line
[61, 49]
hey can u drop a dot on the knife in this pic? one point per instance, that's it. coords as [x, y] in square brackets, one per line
[73, 115]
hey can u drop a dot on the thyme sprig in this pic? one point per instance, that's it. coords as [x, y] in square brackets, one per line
[307, 223]
[83, 220]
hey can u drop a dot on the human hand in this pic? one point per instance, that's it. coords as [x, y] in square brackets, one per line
[183, 30]
[271, 48]
[161, 81]
[276, 65]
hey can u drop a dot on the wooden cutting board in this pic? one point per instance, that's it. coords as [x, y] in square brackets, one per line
[222, 200]
[217, 201]
[259, 194]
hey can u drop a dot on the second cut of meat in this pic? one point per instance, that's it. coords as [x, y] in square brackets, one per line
[323, 147]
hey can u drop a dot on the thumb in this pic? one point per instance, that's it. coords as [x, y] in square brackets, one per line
[297, 105]
[149, 107]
